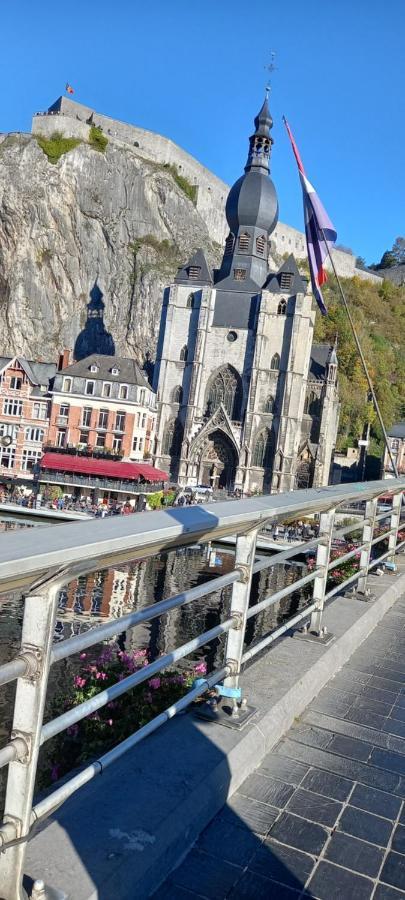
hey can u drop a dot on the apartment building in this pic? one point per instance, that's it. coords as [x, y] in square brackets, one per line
[24, 416]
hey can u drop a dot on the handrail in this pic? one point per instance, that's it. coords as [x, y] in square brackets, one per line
[26, 560]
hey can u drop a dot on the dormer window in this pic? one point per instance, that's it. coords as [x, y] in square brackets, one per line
[244, 242]
[194, 271]
[93, 368]
[239, 274]
[260, 244]
[115, 370]
[286, 280]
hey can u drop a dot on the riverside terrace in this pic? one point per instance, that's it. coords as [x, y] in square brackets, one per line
[158, 795]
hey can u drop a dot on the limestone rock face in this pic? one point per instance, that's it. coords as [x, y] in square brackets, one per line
[113, 218]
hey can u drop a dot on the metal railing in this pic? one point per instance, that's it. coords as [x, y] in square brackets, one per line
[72, 550]
[103, 484]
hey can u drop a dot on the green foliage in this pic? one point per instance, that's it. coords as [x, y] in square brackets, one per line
[190, 190]
[97, 139]
[379, 316]
[155, 500]
[55, 146]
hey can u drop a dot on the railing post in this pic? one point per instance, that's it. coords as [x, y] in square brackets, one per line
[394, 524]
[36, 641]
[244, 559]
[367, 537]
[326, 523]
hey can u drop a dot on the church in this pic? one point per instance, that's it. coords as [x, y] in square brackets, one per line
[247, 401]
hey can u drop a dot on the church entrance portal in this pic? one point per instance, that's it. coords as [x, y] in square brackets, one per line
[218, 462]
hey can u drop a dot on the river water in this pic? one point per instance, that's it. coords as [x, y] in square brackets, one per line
[114, 592]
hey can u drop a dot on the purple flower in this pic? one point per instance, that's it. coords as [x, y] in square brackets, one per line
[154, 683]
[55, 772]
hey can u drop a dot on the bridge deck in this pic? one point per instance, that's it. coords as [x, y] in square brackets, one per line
[324, 815]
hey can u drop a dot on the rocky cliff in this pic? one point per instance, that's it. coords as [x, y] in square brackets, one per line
[111, 217]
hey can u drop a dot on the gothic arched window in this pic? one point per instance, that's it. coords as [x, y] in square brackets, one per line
[282, 308]
[172, 438]
[275, 363]
[225, 386]
[184, 353]
[177, 395]
[190, 301]
[269, 405]
[244, 242]
[312, 404]
[263, 450]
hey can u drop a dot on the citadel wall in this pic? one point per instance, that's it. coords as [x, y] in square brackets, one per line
[74, 120]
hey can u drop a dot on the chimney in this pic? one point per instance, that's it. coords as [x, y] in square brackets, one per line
[64, 359]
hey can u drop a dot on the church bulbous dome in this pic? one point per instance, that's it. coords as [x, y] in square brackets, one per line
[252, 201]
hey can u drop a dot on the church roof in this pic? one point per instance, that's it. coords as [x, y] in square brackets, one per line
[128, 370]
[276, 282]
[397, 430]
[318, 361]
[196, 271]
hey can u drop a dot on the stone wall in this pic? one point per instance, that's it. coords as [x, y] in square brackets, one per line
[72, 119]
[396, 274]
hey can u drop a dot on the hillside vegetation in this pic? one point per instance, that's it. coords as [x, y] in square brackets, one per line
[379, 315]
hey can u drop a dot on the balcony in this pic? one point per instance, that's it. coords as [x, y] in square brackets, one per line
[84, 450]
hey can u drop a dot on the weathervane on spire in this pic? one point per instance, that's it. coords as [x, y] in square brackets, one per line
[270, 68]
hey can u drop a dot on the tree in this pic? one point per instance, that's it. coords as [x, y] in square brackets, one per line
[387, 260]
[361, 262]
[398, 250]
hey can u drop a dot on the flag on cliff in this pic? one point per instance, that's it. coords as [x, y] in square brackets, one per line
[68, 88]
[319, 231]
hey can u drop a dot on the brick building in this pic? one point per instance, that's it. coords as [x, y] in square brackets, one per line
[24, 415]
[103, 404]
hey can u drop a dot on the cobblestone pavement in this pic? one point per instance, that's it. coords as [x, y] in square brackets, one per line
[324, 815]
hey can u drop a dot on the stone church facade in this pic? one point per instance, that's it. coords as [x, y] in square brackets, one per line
[246, 400]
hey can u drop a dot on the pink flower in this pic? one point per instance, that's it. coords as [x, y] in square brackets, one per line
[101, 675]
[83, 655]
[109, 721]
[79, 682]
[138, 653]
[154, 683]
[200, 668]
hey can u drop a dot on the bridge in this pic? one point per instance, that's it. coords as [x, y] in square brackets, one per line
[289, 781]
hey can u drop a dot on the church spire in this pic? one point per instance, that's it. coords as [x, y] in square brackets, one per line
[260, 142]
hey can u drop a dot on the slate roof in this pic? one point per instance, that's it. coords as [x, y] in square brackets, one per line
[299, 284]
[129, 371]
[198, 261]
[38, 372]
[397, 430]
[318, 360]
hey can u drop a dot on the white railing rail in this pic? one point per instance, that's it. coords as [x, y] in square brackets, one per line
[45, 560]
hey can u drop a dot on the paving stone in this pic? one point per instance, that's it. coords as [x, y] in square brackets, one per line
[365, 825]
[313, 737]
[282, 864]
[377, 802]
[357, 771]
[355, 854]
[393, 870]
[257, 816]
[233, 842]
[201, 873]
[383, 892]
[286, 770]
[398, 712]
[328, 785]
[314, 807]
[392, 726]
[296, 832]
[391, 674]
[391, 762]
[377, 706]
[267, 790]
[348, 746]
[365, 717]
[333, 704]
[170, 891]
[353, 729]
[255, 887]
[398, 840]
[334, 883]
[384, 683]
[349, 678]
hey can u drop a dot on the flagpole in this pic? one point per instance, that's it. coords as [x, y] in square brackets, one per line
[366, 372]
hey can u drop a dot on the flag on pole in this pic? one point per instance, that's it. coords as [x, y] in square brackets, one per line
[68, 88]
[319, 231]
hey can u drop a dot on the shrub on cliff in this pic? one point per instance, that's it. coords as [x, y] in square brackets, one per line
[56, 145]
[97, 139]
[190, 190]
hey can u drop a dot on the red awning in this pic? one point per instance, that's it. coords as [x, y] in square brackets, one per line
[104, 468]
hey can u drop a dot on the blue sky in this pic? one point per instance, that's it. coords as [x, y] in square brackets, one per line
[194, 71]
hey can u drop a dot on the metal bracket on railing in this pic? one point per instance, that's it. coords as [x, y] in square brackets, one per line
[244, 572]
[33, 657]
[23, 743]
[237, 618]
